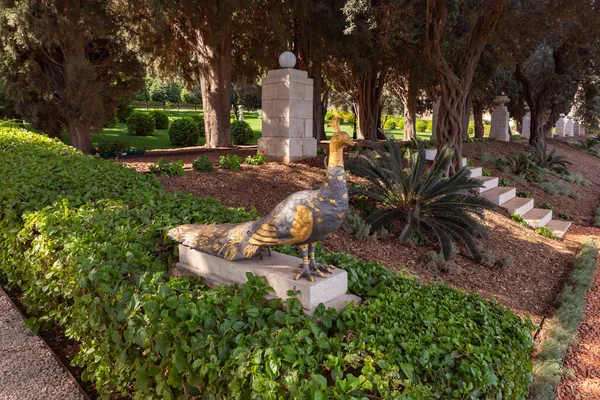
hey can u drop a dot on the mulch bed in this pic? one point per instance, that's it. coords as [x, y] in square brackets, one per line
[584, 356]
[528, 286]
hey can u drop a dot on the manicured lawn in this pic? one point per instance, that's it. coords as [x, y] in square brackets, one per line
[160, 139]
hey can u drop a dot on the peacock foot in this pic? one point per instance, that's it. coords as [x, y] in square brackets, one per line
[309, 274]
[315, 266]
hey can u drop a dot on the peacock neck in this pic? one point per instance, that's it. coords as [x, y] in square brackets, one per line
[336, 158]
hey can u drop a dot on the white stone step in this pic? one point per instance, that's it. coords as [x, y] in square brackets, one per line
[538, 217]
[476, 172]
[489, 182]
[518, 205]
[464, 161]
[500, 195]
[430, 154]
[559, 228]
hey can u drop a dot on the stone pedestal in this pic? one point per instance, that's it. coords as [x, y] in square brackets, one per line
[435, 116]
[582, 130]
[560, 126]
[500, 117]
[576, 127]
[526, 126]
[569, 126]
[279, 271]
[287, 116]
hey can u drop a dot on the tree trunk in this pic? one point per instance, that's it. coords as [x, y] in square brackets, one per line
[450, 124]
[80, 135]
[324, 103]
[215, 83]
[368, 93]
[410, 106]
[318, 109]
[478, 118]
[519, 124]
[467, 116]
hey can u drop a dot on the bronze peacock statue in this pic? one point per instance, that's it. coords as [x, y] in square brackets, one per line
[302, 219]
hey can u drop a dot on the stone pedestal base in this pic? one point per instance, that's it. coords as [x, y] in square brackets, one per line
[279, 271]
[499, 127]
[287, 149]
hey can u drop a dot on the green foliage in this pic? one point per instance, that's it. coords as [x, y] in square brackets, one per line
[358, 227]
[550, 161]
[485, 172]
[597, 217]
[111, 148]
[161, 119]
[421, 125]
[420, 197]
[258, 159]
[329, 115]
[503, 182]
[524, 193]
[347, 116]
[140, 124]
[322, 151]
[545, 232]
[164, 168]
[546, 206]
[522, 164]
[557, 188]
[491, 260]
[389, 125]
[515, 138]
[111, 121]
[124, 111]
[241, 133]
[548, 364]
[199, 122]
[184, 132]
[400, 123]
[203, 164]
[88, 249]
[517, 218]
[470, 163]
[230, 161]
[564, 216]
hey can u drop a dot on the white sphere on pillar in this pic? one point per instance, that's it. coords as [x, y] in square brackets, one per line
[287, 59]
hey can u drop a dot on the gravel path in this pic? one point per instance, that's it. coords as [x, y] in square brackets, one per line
[28, 369]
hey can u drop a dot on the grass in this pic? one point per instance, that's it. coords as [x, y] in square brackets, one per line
[548, 365]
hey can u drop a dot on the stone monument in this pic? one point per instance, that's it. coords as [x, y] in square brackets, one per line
[569, 126]
[287, 113]
[526, 124]
[500, 116]
[560, 125]
[224, 254]
[576, 127]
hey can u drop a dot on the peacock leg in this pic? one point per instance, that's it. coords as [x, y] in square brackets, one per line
[314, 265]
[306, 272]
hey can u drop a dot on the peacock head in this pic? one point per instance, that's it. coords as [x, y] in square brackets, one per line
[339, 140]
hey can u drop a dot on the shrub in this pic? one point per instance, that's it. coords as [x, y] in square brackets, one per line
[241, 133]
[107, 148]
[111, 121]
[545, 232]
[485, 172]
[124, 111]
[164, 168]
[421, 125]
[519, 219]
[597, 217]
[557, 188]
[140, 124]
[524, 193]
[203, 164]
[230, 161]
[347, 116]
[257, 159]
[539, 156]
[161, 119]
[357, 226]
[90, 254]
[389, 125]
[184, 132]
[546, 206]
[199, 122]
[400, 123]
[564, 216]
[503, 182]
[421, 198]
[491, 260]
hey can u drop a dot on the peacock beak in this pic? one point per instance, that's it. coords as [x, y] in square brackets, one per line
[349, 142]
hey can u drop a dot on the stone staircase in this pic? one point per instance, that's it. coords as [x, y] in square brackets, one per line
[506, 198]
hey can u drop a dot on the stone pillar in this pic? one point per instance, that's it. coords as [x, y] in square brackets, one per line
[569, 126]
[287, 113]
[582, 130]
[500, 117]
[526, 125]
[560, 125]
[576, 127]
[434, 120]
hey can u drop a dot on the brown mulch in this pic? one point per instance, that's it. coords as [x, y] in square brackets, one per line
[584, 356]
[528, 285]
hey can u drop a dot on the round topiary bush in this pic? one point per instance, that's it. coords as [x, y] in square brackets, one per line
[161, 119]
[389, 125]
[199, 121]
[400, 123]
[421, 125]
[124, 111]
[111, 121]
[241, 133]
[140, 124]
[184, 132]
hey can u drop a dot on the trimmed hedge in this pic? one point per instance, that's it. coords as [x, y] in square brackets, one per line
[241, 133]
[184, 132]
[140, 124]
[85, 240]
[161, 119]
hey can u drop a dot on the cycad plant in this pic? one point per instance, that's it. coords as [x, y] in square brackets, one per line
[404, 190]
[550, 161]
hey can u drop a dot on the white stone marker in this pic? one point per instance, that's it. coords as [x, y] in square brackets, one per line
[582, 130]
[569, 126]
[576, 127]
[560, 125]
[287, 113]
[279, 271]
[500, 117]
[436, 114]
[526, 125]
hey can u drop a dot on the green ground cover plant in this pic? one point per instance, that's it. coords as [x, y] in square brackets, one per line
[258, 159]
[164, 168]
[86, 244]
[203, 164]
[597, 217]
[230, 161]
[548, 365]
